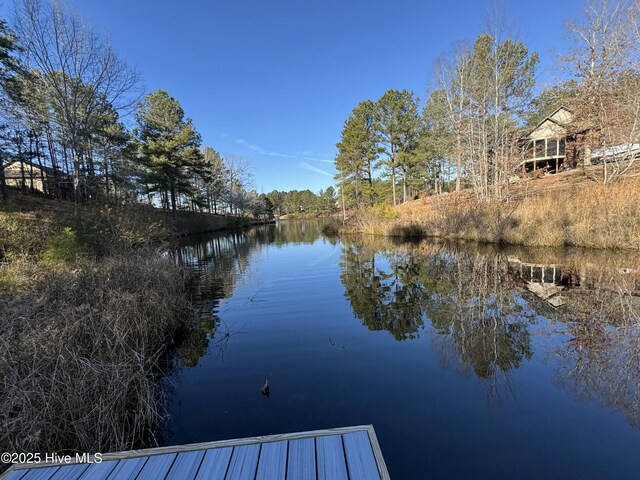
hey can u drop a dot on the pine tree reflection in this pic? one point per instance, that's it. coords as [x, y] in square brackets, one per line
[381, 294]
[476, 301]
[219, 263]
[469, 300]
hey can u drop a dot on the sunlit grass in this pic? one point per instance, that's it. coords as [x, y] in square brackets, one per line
[585, 214]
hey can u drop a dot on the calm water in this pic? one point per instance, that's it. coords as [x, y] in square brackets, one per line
[462, 370]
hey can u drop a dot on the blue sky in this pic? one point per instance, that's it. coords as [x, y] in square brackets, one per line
[274, 80]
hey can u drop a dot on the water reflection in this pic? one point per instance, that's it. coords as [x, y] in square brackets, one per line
[478, 316]
[431, 326]
[477, 303]
[382, 295]
[221, 262]
[480, 303]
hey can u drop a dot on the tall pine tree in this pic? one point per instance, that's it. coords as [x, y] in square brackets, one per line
[169, 147]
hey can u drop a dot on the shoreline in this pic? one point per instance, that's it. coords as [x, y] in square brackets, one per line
[604, 217]
[119, 307]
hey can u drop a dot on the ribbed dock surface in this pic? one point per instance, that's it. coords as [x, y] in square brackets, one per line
[341, 453]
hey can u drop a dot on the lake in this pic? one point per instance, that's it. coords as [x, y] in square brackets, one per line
[470, 361]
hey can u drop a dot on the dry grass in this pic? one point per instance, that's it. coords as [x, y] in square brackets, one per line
[581, 214]
[82, 350]
[91, 307]
[28, 222]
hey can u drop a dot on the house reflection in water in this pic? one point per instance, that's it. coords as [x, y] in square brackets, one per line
[545, 281]
[537, 273]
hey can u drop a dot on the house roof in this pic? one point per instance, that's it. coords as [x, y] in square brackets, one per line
[561, 107]
[549, 118]
[48, 170]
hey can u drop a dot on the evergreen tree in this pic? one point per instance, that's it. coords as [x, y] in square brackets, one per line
[214, 176]
[357, 152]
[9, 66]
[397, 123]
[169, 146]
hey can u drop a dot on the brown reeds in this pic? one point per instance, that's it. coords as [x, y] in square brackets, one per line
[91, 306]
[82, 352]
[584, 214]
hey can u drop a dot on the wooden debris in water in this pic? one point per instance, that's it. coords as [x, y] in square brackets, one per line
[265, 388]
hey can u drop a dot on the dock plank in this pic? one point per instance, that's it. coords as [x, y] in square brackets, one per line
[330, 455]
[40, 473]
[71, 472]
[244, 462]
[360, 460]
[128, 469]
[335, 453]
[99, 471]
[301, 464]
[273, 461]
[156, 467]
[186, 465]
[215, 463]
[15, 474]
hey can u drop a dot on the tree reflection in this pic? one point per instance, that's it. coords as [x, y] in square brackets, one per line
[380, 294]
[468, 299]
[473, 302]
[220, 262]
[477, 312]
[600, 361]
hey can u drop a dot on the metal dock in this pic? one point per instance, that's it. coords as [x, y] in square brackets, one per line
[339, 453]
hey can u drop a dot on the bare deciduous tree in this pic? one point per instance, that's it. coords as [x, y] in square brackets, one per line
[238, 171]
[452, 77]
[604, 57]
[487, 88]
[79, 70]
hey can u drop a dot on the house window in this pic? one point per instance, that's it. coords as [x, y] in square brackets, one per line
[552, 148]
[561, 147]
[539, 149]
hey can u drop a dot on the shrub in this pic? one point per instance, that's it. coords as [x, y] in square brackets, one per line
[62, 248]
[331, 229]
[384, 212]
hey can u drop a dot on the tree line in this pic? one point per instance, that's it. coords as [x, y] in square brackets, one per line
[65, 102]
[482, 102]
[303, 202]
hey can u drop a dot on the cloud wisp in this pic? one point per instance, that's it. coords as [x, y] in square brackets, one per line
[321, 160]
[308, 156]
[311, 168]
[242, 142]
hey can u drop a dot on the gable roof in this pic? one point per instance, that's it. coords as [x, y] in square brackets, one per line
[550, 118]
[46, 169]
[561, 108]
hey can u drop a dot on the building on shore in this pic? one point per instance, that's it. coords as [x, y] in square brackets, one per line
[559, 143]
[553, 145]
[36, 178]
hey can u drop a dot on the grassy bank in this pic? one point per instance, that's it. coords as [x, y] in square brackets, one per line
[583, 214]
[82, 349]
[91, 307]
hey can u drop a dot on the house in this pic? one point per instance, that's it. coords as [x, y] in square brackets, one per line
[558, 143]
[35, 178]
[553, 145]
